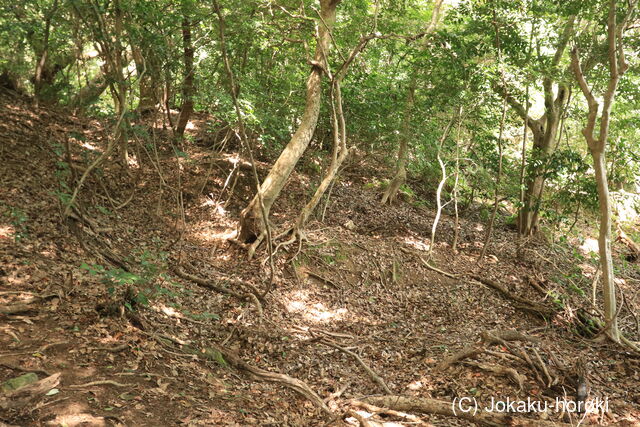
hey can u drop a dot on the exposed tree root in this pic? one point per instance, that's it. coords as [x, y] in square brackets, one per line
[465, 353]
[500, 370]
[521, 303]
[440, 407]
[486, 338]
[323, 279]
[255, 298]
[429, 266]
[297, 235]
[372, 374]
[378, 410]
[253, 247]
[27, 395]
[16, 308]
[99, 382]
[295, 384]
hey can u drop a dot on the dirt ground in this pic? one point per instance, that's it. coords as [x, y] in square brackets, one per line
[355, 313]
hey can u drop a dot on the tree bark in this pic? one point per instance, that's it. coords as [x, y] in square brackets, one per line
[251, 222]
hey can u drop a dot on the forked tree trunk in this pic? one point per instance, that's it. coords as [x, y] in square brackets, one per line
[340, 150]
[251, 222]
[544, 132]
[187, 86]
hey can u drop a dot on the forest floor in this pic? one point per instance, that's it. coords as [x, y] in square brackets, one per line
[357, 312]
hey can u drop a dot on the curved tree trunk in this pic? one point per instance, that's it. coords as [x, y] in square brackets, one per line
[251, 222]
[597, 142]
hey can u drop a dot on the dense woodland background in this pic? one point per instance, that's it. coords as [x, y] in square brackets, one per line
[318, 212]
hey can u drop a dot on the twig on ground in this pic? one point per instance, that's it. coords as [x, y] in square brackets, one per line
[99, 382]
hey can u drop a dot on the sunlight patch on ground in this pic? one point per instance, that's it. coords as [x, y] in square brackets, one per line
[219, 208]
[133, 162]
[415, 385]
[416, 243]
[316, 312]
[210, 235]
[169, 311]
[89, 146]
[74, 415]
[6, 231]
[589, 245]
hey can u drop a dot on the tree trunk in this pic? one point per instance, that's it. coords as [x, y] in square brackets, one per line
[251, 222]
[188, 85]
[43, 55]
[544, 133]
[339, 155]
[400, 176]
[597, 145]
[604, 243]
[147, 99]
